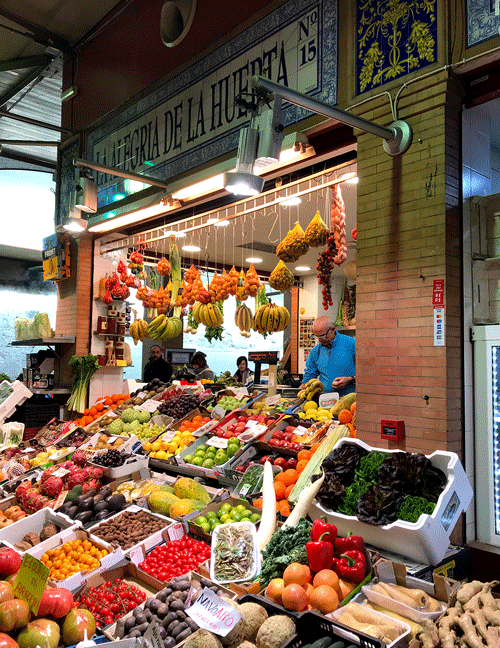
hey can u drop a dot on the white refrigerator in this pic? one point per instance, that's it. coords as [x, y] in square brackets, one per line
[486, 341]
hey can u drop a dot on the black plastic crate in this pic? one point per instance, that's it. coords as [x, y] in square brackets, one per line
[312, 626]
[271, 607]
[38, 413]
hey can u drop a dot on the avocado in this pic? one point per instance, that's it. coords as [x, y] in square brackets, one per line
[102, 494]
[102, 514]
[72, 512]
[83, 517]
[116, 502]
[73, 493]
[100, 506]
[86, 505]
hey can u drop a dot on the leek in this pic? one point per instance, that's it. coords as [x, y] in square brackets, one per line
[84, 367]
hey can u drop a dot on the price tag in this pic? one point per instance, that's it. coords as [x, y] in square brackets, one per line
[212, 613]
[30, 581]
[149, 405]
[176, 531]
[253, 433]
[60, 499]
[272, 400]
[218, 412]
[28, 450]
[204, 429]
[121, 363]
[251, 423]
[60, 472]
[300, 430]
[142, 394]
[191, 593]
[327, 401]
[168, 436]
[241, 392]
[217, 442]
[152, 636]
[137, 555]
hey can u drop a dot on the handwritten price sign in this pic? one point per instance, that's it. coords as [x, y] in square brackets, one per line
[30, 582]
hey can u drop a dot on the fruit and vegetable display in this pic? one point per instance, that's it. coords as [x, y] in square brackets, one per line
[93, 506]
[72, 557]
[177, 405]
[175, 558]
[129, 528]
[230, 403]
[32, 539]
[111, 600]
[208, 456]
[226, 513]
[378, 487]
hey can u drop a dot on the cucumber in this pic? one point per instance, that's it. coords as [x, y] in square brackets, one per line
[324, 642]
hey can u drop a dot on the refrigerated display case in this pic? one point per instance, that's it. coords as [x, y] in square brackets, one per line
[486, 341]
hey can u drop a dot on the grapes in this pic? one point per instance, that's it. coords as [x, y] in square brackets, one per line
[324, 267]
[178, 406]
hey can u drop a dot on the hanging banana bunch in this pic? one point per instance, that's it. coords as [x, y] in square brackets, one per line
[138, 329]
[243, 319]
[271, 318]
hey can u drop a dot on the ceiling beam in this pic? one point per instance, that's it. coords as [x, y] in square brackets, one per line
[7, 142]
[38, 60]
[46, 164]
[25, 80]
[34, 122]
[39, 34]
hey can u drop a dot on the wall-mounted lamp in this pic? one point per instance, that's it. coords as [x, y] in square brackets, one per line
[75, 224]
[140, 211]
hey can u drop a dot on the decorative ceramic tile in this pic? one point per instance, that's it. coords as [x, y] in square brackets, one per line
[193, 118]
[482, 22]
[393, 39]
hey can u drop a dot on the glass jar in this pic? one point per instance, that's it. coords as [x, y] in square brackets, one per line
[102, 324]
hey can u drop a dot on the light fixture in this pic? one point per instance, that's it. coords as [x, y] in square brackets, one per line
[75, 224]
[253, 260]
[86, 195]
[191, 248]
[116, 218]
[354, 180]
[69, 93]
[243, 184]
[290, 201]
[212, 221]
[200, 188]
[302, 268]
[221, 223]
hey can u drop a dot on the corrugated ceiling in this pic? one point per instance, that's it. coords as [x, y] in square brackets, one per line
[34, 37]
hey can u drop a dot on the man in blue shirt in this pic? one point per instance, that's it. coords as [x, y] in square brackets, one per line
[333, 359]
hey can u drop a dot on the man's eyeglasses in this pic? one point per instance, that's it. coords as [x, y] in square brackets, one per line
[325, 335]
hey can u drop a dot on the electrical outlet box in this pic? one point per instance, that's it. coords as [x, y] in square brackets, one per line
[392, 430]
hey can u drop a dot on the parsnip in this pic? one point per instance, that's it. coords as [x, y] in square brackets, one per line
[388, 590]
[364, 615]
[415, 627]
[368, 628]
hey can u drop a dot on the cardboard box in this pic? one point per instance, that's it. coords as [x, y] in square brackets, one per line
[215, 506]
[73, 582]
[215, 472]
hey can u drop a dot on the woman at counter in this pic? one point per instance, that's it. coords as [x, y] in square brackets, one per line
[200, 367]
[243, 374]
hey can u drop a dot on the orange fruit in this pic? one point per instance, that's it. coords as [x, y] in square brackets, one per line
[304, 454]
[345, 588]
[280, 477]
[280, 490]
[309, 589]
[275, 589]
[297, 573]
[345, 416]
[258, 502]
[324, 598]
[353, 407]
[327, 577]
[283, 507]
[290, 477]
[294, 597]
[301, 465]
[288, 490]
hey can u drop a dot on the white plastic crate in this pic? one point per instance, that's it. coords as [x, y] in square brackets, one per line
[19, 394]
[425, 540]
[34, 524]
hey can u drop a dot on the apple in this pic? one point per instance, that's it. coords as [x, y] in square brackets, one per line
[6, 591]
[261, 418]
[75, 624]
[56, 602]
[241, 419]
[265, 458]
[14, 614]
[280, 461]
[7, 642]
[278, 435]
[240, 428]
[296, 447]
[290, 429]
[241, 468]
[291, 463]
[11, 579]
[254, 417]
[40, 632]
[231, 428]
[10, 561]
[227, 434]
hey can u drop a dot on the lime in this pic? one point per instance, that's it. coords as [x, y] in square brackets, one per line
[208, 463]
[200, 453]
[202, 447]
[226, 507]
[241, 508]
[255, 517]
[236, 516]
[189, 458]
[211, 451]
[231, 450]
[214, 523]
[201, 520]
[197, 461]
[225, 517]
[206, 527]
[211, 515]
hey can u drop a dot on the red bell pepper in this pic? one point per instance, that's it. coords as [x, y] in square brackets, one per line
[350, 542]
[320, 527]
[351, 566]
[319, 554]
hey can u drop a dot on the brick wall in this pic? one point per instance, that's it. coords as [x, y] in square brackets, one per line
[409, 233]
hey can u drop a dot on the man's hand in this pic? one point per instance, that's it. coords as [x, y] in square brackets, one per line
[341, 382]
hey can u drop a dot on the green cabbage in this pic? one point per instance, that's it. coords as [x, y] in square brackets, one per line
[42, 324]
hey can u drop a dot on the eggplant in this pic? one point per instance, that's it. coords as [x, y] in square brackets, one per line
[116, 502]
[100, 506]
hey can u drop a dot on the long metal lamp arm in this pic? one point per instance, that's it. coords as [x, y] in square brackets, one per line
[397, 138]
[87, 164]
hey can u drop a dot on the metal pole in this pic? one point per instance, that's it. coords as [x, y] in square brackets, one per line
[397, 138]
[34, 122]
[86, 164]
[29, 142]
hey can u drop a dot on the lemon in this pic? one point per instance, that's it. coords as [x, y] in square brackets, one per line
[161, 455]
[310, 405]
[155, 446]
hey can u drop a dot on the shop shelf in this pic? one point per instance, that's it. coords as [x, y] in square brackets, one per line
[68, 339]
